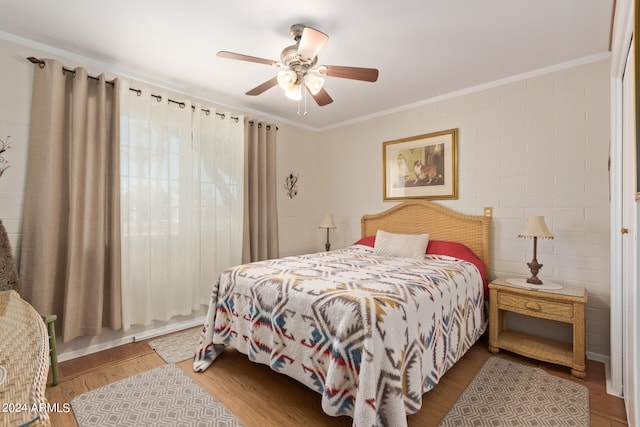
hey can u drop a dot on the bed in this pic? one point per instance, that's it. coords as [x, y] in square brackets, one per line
[368, 328]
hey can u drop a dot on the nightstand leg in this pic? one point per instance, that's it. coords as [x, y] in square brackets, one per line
[579, 374]
[495, 322]
[579, 344]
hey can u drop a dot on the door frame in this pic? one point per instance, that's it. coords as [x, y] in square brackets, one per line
[624, 377]
[621, 40]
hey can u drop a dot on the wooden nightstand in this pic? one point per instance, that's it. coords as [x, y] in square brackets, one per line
[565, 305]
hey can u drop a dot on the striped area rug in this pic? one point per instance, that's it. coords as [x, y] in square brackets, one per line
[506, 393]
[164, 396]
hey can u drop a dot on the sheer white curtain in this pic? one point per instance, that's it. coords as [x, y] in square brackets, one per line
[219, 144]
[181, 188]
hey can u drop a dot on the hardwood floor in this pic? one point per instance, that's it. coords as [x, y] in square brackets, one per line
[262, 398]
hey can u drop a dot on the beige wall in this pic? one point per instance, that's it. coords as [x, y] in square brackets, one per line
[16, 76]
[538, 146]
[300, 153]
[535, 146]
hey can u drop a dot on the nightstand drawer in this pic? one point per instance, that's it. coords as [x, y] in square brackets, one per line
[535, 306]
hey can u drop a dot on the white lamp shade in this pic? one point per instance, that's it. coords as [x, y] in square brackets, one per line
[536, 227]
[327, 222]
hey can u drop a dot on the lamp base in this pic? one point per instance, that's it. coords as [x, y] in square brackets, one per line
[534, 280]
[535, 268]
[327, 245]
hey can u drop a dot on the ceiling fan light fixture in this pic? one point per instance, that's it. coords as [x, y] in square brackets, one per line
[298, 69]
[287, 79]
[311, 42]
[294, 93]
[314, 83]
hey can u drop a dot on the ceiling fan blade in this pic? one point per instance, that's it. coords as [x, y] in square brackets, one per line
[353, 73]
[263, 87]
[311, 43]
[241, 57]
[322, 98]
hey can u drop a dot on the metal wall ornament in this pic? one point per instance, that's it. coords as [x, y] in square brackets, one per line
[291, 185]
[4, 146]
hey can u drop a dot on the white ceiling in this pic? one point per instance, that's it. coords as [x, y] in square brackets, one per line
[423, 48]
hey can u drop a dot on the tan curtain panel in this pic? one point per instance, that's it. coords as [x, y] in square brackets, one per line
[70, 252]
[260, 197]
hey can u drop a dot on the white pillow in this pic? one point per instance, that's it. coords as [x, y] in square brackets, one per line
[400, 245]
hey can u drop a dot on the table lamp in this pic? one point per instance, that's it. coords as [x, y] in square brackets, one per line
[327, 222]
[536, 228]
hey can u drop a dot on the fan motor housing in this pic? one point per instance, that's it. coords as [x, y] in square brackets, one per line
[292, 60]
[296, 31]
[289, 55]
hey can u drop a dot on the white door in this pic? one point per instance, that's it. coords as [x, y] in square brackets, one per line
[630, 294]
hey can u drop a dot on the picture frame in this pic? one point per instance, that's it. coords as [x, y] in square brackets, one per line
[421, 167]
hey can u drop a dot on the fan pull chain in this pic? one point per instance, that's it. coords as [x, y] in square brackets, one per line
[304, 89]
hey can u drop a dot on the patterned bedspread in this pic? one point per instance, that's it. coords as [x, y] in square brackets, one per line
[371, 334]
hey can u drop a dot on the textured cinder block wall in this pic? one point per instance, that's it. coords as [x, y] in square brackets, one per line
[16, 79]
[536, 145]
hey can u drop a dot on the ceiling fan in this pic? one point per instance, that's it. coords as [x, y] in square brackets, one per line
[299, 70]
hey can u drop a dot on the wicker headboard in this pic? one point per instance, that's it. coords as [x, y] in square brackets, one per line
[421, 216]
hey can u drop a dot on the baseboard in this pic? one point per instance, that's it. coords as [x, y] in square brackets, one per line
[168, 329]
[133, 337]
[607, 370]
[94, 348]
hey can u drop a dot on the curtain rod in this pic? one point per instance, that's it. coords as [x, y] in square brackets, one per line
[181, 104]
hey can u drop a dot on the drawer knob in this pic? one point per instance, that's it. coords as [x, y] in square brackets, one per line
[532, 305]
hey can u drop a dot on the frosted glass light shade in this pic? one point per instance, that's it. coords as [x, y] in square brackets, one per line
[314, 83]
[294, 93]
[287, 79]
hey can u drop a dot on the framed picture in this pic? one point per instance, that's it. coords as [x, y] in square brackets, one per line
[421, 167]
